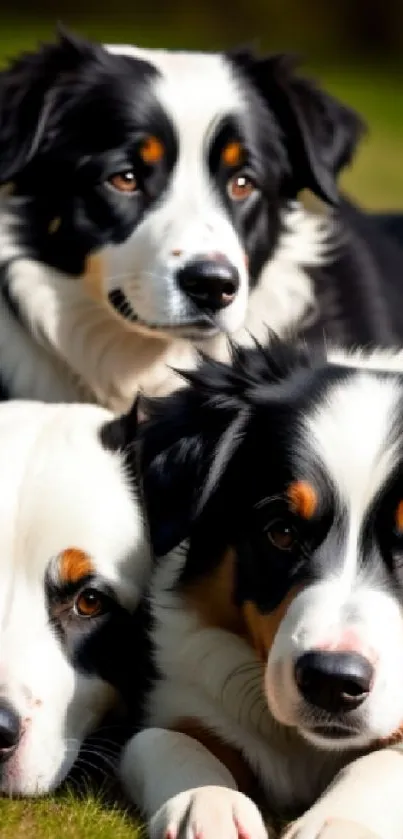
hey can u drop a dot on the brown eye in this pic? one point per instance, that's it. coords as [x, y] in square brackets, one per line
[124, 181]
[240, 187]
[281, 535]
[90, 603]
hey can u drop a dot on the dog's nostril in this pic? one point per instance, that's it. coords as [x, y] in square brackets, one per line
[10, 730]
[334, 681]
[211, 283]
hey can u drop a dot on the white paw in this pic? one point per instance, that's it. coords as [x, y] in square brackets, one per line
[315, 826]
[208, 813]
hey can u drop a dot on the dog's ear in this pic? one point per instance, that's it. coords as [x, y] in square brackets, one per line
[321, 134]
[184, 448]
[188, 442]
[27, 97]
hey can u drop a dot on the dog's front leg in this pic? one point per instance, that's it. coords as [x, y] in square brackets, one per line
[185, 791]
[364, 801]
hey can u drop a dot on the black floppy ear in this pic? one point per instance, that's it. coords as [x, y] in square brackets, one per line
[184, 449]
[163, 448]
[321, 133]
[27, 98]
[172, 454]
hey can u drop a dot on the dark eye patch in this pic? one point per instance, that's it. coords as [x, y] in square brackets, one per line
[277, 547]
[94, 645]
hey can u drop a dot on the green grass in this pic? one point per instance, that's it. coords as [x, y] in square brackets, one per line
[65, 817]
[375, 180]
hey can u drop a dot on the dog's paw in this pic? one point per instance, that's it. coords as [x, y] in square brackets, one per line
[312, 826]
[208, 813]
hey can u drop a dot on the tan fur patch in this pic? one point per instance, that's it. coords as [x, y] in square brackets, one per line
[261, 629]
[228, 755]
[399, 517]
[74, 565]
[233, 154]
[152, 150]
[212, 597]
[393, 739]
[303, 499]
[94, 276]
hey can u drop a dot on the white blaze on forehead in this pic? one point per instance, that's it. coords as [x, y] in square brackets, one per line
[351, 433]
[197, 91]
[194, 87]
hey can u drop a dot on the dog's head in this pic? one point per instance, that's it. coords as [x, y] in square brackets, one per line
[174, 167]
[73, 564]
[284, 472]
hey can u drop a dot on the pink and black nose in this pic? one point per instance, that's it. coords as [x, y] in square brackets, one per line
[211, 284]
[10, 730]
[336, 682]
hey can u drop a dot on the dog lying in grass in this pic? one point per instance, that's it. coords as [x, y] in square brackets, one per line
[73, 562]
[274, 491]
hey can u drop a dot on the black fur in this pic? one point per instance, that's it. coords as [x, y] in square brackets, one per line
[193, 450]
[72, 115]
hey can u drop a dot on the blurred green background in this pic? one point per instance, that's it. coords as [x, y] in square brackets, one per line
[354, 47]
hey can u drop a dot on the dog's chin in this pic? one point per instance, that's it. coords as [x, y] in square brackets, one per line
[194, 329]
[17, 781]
[335, 737]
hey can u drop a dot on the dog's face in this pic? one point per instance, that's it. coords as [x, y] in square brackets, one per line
[294, 469]
[175, 168]
[73, 563]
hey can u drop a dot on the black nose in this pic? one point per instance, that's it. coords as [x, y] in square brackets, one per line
[335, 682]
[211, 283]
[10, 730]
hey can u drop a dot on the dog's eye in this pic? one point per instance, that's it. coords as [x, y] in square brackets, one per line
[281, 535]
[90, 603]
[240, 187]
[124, 181]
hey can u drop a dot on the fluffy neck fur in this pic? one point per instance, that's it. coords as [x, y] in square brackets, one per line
[68, 346]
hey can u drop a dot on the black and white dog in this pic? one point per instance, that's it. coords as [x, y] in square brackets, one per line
[74, 559]
[275, 489]
[149, 205]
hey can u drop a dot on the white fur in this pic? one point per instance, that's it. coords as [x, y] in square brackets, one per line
[59, 488]
[80, 349]
[214, 676]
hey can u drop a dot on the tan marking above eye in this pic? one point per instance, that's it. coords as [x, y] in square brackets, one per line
[124, 181]
[233, 154]
[240, 187]
[303, 499]
[74, 565]
[151, 150]
[399, 517]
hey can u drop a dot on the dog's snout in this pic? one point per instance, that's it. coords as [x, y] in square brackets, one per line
[210, 283]
[10, 730]
[334, 681]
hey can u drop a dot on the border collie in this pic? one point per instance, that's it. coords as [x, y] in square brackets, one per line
[275, 488]
[73, 562]
[149, 205]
